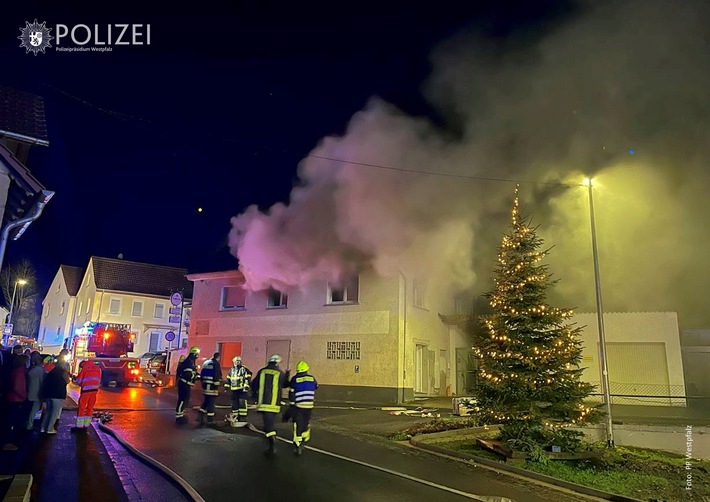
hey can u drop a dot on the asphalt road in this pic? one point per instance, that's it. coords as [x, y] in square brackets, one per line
[347, 461]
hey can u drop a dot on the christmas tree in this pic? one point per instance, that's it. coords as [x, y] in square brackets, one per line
[529, 352]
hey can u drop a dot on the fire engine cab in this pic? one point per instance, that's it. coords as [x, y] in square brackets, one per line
[107, 345]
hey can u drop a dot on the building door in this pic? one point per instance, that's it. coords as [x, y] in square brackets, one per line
[282, 348]
[154, 341]
[421, 369]
[227, 352]
[444, 372]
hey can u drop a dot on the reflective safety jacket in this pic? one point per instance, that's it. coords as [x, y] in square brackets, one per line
[89, 378]
[238, 378]
[211, 376]
[304, 388]
[187, 371]
[267, 386]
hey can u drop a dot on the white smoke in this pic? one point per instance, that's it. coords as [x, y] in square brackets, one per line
[618, 78]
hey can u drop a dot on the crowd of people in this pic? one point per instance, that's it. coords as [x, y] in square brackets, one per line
[30, 385]
[266, 390]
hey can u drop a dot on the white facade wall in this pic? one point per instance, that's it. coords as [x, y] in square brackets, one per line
[57, 314]
[643, 354]
[384, 322]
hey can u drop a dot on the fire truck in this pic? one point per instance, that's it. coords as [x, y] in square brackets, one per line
[107, 345]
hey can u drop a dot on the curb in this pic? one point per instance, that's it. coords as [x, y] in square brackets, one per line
[522, 472]
[182, 485]
[19, 490]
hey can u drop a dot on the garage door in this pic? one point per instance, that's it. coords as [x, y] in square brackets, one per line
[638, 369]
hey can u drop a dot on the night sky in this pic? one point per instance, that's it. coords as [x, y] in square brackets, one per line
[216, 114]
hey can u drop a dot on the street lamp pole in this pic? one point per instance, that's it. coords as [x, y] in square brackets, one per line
[600, 321]
[21, 282]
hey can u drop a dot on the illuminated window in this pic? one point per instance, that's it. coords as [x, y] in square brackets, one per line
[78, 311]
[114, 306]
[159, 310]
[88, 307]
[137, 308]
[233, 298]
[347, 292]
[276, 299]
[46, 310]
[343, 350]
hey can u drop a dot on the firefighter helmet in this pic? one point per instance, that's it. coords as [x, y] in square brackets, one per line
[236, 359]
[275, 359]
[194, 350]
[302, 367]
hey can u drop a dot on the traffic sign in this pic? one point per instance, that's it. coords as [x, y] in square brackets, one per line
[176, 299]
[7, 329]
[174, 318]
[170, 336]
[175, 310]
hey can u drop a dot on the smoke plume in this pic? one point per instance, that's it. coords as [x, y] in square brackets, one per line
[617, 92]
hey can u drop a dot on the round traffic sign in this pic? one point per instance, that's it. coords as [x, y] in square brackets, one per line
[170, 336]
[176, 299]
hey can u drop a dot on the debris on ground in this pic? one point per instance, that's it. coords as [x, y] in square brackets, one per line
[103, 417]
[418, 412]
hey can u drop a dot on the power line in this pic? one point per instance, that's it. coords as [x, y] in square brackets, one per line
[448, 175]
[127, 117]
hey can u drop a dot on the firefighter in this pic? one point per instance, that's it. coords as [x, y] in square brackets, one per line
[89, 380]
[211, 376]
[238, 382]
[303, 387]
[186, 374]
[266, 389]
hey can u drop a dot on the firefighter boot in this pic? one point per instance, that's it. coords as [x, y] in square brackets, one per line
[272, 446]
[298, 451]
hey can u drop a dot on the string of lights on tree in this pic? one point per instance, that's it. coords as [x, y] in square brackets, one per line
[529, 352]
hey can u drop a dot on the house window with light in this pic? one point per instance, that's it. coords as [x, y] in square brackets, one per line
[346, 292]
[137, 309]
[276, 299]
[114, 306]
[233, 298]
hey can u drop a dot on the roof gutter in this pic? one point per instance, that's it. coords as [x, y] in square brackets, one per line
[45, 196]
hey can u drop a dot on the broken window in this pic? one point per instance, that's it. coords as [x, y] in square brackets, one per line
[347, 292]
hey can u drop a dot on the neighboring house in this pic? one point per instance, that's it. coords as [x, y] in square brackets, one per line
[22, 196]
[126, 292]
[695, 345]
[58, 307]
[371, 339]
[643, 356]
[4, 313]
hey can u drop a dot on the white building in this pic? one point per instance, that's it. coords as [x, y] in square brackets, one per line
[123, 292]
[58, 308]
[643, 356]
[372, 339]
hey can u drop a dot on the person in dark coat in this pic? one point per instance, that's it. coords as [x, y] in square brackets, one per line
[15, 401]
[35, 378]
[54, 392]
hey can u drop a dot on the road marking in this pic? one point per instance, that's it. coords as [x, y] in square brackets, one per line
[480, 498]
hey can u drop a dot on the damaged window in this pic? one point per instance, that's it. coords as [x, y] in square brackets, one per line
[347, 292]
[277, 299]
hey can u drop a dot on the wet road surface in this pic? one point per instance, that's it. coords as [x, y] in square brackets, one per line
[222, 463]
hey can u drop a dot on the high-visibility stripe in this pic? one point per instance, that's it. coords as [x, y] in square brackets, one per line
[305, 405]
[305, 393]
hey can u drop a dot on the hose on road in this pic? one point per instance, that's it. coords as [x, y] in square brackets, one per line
[175, 478]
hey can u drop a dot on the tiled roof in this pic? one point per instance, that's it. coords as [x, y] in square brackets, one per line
[72, 278]
[143, 278]
[22, 116]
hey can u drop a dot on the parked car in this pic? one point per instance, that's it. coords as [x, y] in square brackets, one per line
[157, 364]
[145, 358]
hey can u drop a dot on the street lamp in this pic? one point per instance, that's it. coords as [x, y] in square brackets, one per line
[600, 321]
[21, 282]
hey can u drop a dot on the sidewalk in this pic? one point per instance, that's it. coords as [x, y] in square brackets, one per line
[66, 466]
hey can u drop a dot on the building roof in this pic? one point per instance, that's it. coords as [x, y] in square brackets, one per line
[22, 116]
[72, 278]
[210, 276]
[143, 278]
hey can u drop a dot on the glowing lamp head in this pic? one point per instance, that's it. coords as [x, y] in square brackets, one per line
[21, 282]
[106, 335]
[587, 181]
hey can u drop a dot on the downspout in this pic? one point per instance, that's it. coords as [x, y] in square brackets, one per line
[36, 212]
